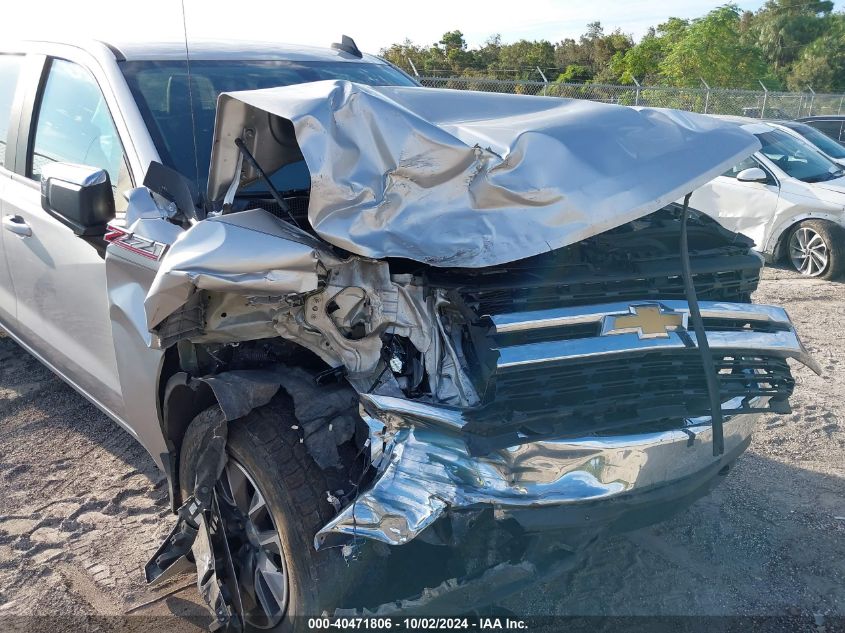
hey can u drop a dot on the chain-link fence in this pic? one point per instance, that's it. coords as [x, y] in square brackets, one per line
[753, 103]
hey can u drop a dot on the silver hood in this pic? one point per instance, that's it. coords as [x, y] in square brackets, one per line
[468, 179]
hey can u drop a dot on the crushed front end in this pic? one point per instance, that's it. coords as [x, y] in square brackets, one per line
[533, 346]
[584, 395]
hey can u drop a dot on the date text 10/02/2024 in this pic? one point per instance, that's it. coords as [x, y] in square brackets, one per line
[418, 624]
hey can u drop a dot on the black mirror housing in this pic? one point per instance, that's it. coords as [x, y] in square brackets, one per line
[78, 196]
[174, 187]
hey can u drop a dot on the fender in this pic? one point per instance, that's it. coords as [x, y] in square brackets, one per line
[136, 245]
[774, 246]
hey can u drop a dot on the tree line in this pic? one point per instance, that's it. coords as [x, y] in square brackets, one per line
[786, 44]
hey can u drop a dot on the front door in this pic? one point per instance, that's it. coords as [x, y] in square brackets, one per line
[10, 66]
[59, 278]
[745, 207]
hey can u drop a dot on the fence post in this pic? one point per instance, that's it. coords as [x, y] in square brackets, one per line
[637, 94]
[545, 81]
[765, 98]
[416, 74]
[812, 99]
[706, 95]
[839, 111]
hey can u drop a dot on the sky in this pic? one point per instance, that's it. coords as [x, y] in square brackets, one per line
[373, 24]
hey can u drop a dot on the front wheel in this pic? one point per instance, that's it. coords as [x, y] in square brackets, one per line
[273, 500]
[816, 248]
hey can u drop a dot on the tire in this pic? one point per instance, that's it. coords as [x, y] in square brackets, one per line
[816, 248]
[265, 447]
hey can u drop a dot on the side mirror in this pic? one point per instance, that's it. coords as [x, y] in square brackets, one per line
[78, 196]
[752, 174]
[174, 187]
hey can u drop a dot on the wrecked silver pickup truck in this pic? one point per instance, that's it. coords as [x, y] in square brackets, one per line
[399, 324]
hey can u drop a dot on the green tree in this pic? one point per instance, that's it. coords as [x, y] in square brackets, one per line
[798, 43]
[575, 72]
[452, 52]
[783, 27]
[399, 54]
[594, 51]
[712, 48]
[600, 48]
[642, 62]
[488, 54]
[822, 63]
[526, 57]
[568, 52]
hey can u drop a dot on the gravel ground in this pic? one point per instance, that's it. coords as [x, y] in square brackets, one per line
[82, 507]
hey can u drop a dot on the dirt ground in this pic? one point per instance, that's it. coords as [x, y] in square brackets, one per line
[82, 507]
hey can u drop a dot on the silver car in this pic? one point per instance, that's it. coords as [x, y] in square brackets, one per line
[371, 331]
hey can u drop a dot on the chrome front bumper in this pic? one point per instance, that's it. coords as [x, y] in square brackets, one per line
[427, 470]
[425, 467]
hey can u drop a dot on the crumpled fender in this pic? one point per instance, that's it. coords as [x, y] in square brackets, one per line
[251, 252]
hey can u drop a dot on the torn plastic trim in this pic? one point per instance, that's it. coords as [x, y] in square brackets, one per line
[216, 578]
[240, 391]
[328, 414]
[425, 471]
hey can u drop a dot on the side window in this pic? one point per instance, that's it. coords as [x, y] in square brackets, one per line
[831, 128]
[10, 66]
[748, 163]
[73, 125]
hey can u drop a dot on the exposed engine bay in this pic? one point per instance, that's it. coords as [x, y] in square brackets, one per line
[403, 329]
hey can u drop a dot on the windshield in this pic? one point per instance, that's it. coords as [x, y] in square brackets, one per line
[163, 96]
[798, 158]
[822, 141]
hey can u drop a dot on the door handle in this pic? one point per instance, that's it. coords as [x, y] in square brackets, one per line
[17, 225]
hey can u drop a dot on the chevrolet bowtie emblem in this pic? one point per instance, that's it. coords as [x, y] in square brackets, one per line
[646, 321]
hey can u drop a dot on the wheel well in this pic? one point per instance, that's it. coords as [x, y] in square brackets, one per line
[184, 392]
[779, 251]
[182, 401]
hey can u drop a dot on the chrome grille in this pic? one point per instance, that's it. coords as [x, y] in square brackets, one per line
[559, 373]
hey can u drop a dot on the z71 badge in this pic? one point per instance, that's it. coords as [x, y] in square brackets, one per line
[135, 243]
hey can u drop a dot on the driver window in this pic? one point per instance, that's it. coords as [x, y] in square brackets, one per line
[748, 163]
[74, 126]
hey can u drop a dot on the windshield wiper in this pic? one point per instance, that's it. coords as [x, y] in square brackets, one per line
[283, 205]
[831, 175]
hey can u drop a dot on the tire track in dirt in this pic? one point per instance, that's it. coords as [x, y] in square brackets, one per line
[82, 504]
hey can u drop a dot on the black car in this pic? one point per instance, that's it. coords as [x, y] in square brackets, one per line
[833, 125]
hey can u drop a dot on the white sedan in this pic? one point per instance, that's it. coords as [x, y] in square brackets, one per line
[788, 197]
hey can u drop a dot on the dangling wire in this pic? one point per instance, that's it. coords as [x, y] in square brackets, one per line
[701, 339]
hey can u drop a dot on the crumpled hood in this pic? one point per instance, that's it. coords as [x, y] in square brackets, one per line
[469, 179]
